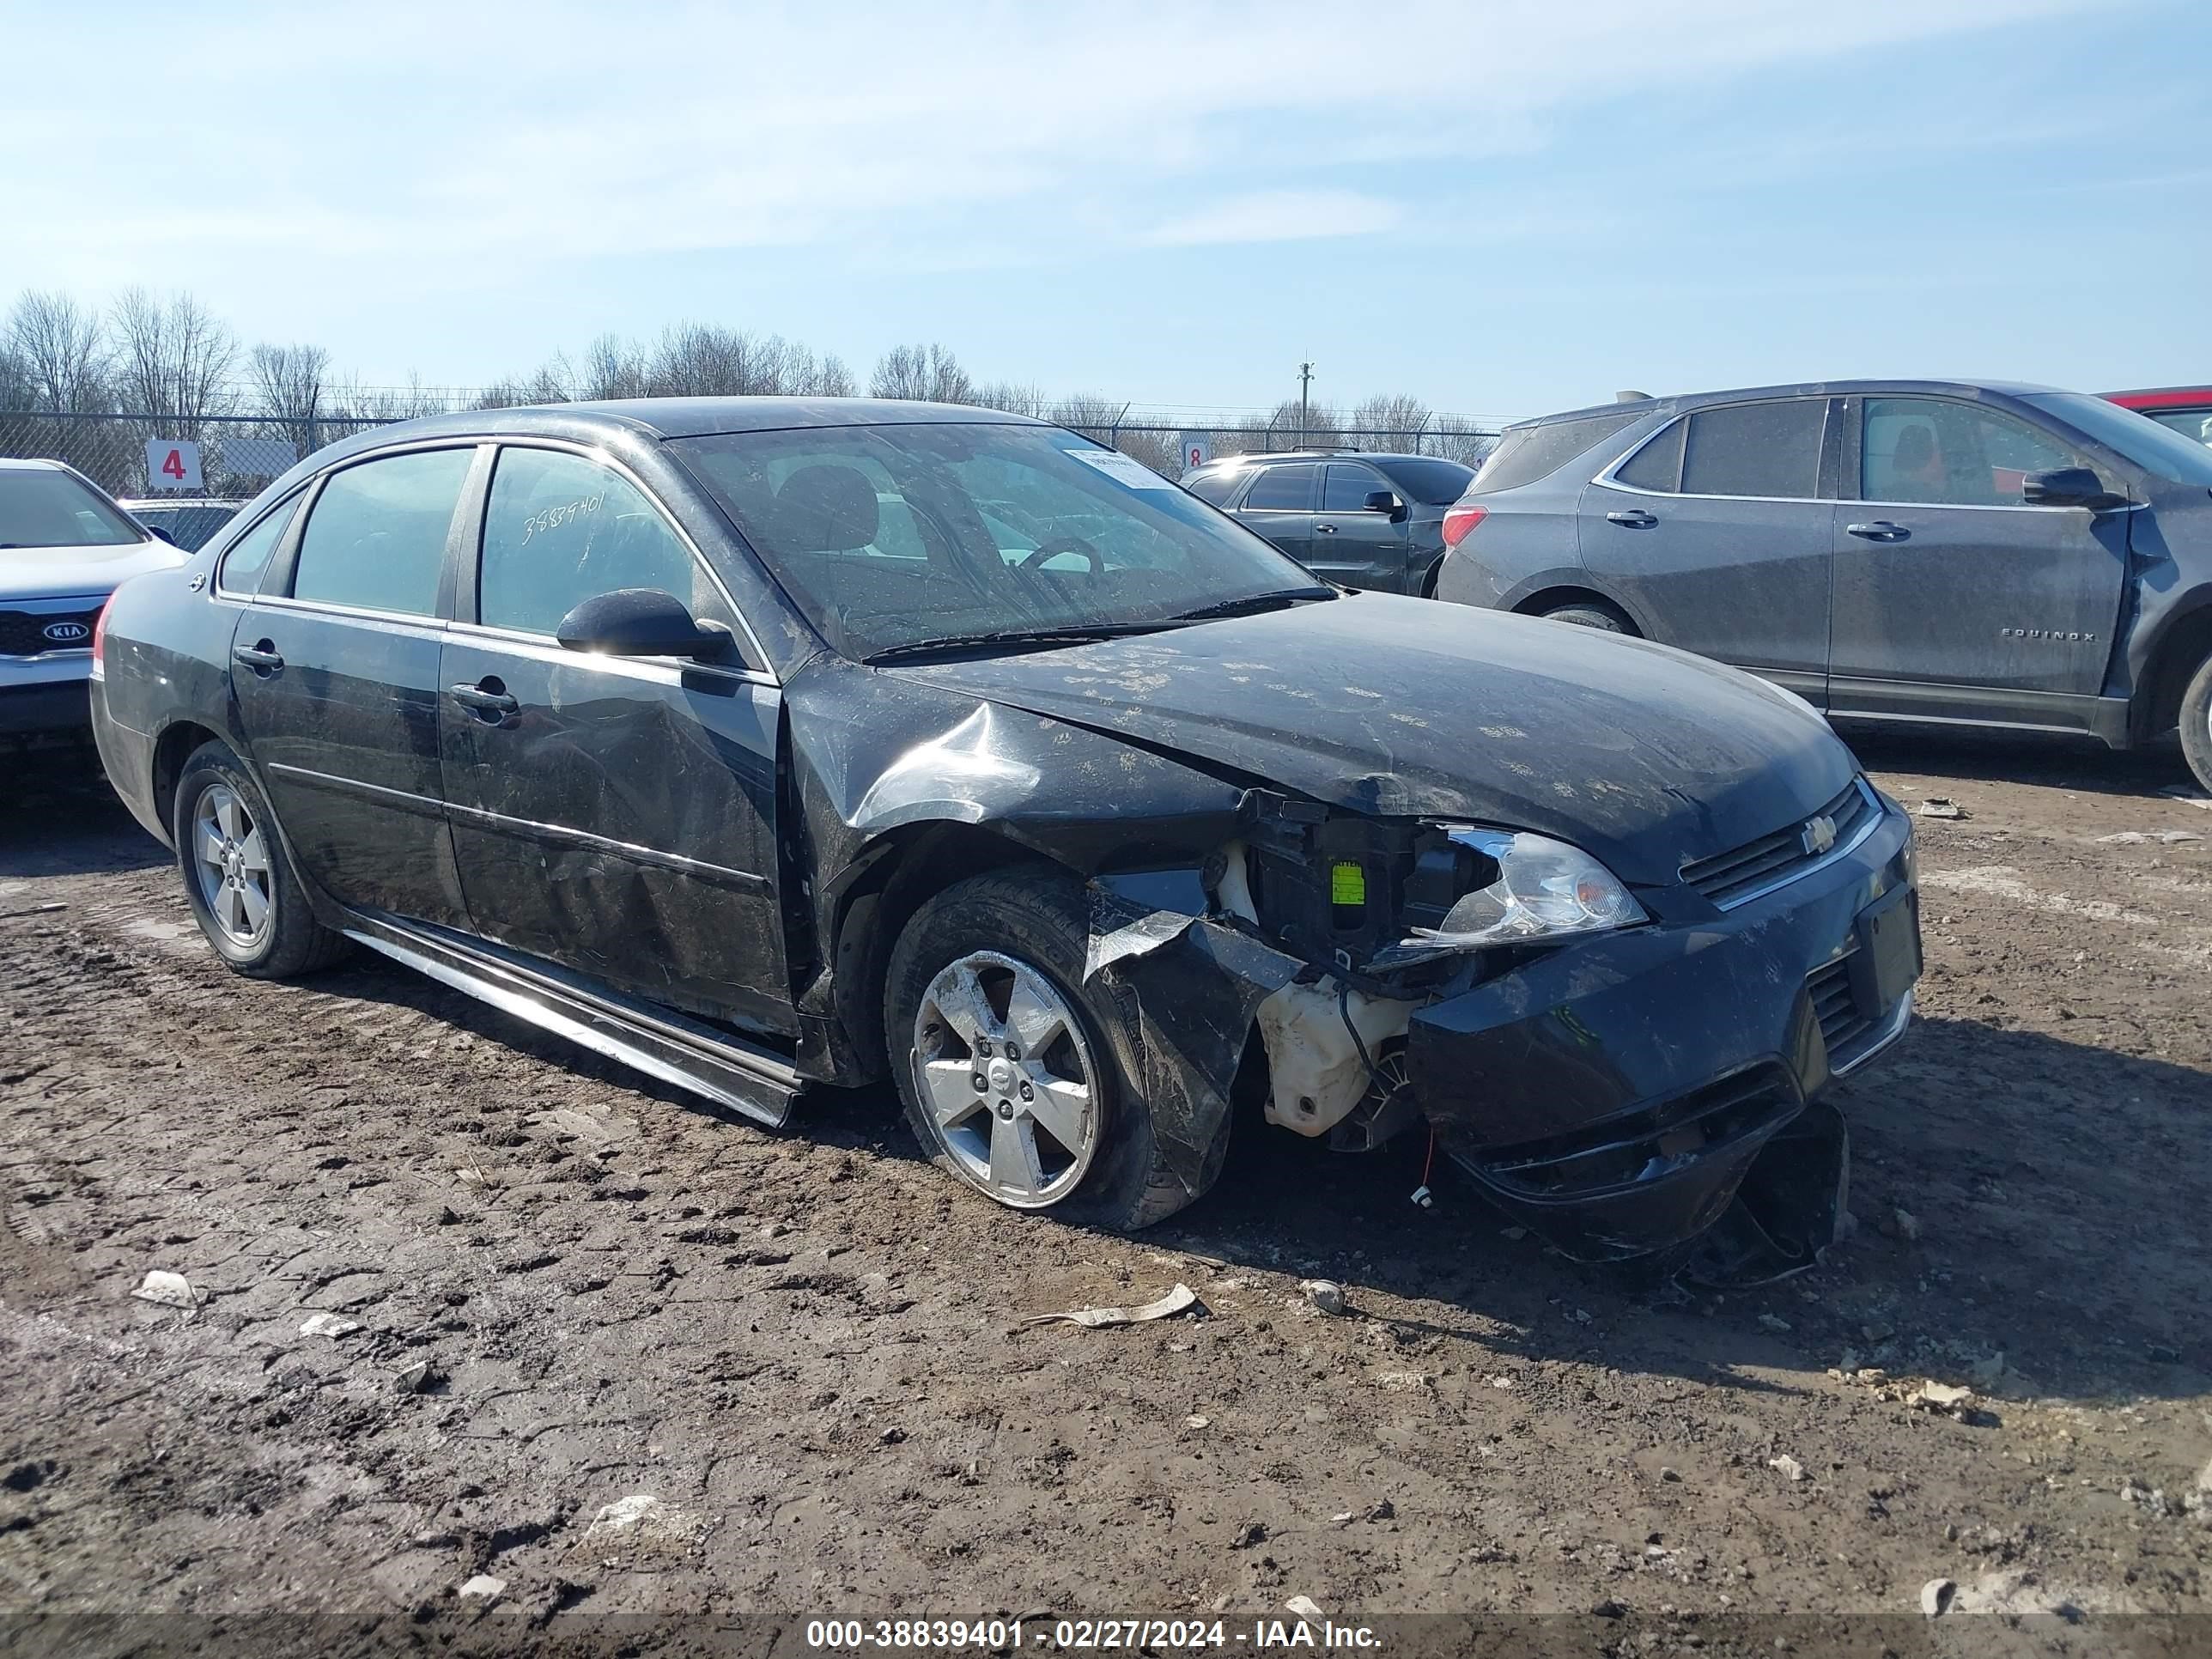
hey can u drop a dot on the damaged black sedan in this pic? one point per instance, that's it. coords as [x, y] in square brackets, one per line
[762, 743]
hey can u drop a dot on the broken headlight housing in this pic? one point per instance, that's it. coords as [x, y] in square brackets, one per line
[1539, 890]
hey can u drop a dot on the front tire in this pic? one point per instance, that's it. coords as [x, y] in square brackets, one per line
[1015, 1080]
[241, 885]
[2197, 724]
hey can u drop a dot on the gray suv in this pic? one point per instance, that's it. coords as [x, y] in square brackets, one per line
[1360, 520]
[1951, 552]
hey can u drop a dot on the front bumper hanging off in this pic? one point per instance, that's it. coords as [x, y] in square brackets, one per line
[1629, 1095]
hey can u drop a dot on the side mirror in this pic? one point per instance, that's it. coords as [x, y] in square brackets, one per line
[640, 622]
[156, 530]
[2069, 486]
[1383, 501]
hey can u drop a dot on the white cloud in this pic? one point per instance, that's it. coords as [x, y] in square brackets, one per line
[523, 136]
[1279, 215]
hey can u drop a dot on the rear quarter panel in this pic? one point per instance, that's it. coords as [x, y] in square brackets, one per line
[165, 652]
[1527, 542]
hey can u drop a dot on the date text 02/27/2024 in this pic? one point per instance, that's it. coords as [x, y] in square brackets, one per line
[1088, 1635]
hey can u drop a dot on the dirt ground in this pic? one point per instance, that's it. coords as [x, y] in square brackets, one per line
[683, 1369]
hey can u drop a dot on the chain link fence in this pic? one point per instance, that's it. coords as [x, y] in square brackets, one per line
[235, 456]
[126, 454]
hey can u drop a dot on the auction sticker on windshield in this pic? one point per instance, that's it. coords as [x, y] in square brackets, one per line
[1118, 467]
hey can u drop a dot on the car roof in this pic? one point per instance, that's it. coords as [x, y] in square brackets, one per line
[653, 417]
[1269, 457]
[2159, 396]
[13, 464]
[1639, 407]
[135, 502]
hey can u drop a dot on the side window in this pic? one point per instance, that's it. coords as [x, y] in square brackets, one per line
[1283, 487]
[1216, 487]
[560, 529]
[240, 573]
[1346, 488]
[1767, 450]
[376, 538]
[1658, 464]
[1951, 454]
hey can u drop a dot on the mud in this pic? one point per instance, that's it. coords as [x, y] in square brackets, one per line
[575, 1290]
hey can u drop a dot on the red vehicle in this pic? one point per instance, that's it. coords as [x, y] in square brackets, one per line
[2186, 409]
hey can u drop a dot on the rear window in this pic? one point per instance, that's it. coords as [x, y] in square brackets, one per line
[42, 508]
[1216, 487]
[1771, 451]
[1527, 453]
[1432, 483]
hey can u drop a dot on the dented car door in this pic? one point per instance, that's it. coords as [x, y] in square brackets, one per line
[612, 815]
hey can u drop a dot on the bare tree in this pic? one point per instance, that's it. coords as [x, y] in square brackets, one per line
[1014, 397]
[1461, 439]
[929, 374]
[172, 360]
[287, 384]
[831, 379]
[1389, 422]
[1318, 427]
[58, 352]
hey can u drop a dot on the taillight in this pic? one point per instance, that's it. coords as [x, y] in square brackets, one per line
[1461, 520]
[100, 642]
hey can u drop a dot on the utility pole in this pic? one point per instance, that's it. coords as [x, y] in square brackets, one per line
[1306, 380]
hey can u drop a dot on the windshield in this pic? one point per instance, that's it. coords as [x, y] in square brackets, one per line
[893, 536]
[1432, 483]
[2154, 448]
[42, 508]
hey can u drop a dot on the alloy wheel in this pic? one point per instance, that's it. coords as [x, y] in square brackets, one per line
[230, 862]
[1006, 1079]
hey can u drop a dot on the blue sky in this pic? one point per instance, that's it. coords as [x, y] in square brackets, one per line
[1502, 208]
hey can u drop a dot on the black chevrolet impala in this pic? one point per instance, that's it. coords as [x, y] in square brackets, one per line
[765, 743]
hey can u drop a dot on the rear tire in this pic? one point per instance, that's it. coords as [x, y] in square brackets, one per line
[986, 982]
[237, 879]
[1591, 613]
[2197, 724]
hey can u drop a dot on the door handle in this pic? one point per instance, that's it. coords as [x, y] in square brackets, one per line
[262, 657]
[487, 699]
[1882, 530]
[1324, 530]
[1634, 518]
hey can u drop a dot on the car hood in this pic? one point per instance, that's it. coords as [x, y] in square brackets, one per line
[1643, 754]
[55, 573]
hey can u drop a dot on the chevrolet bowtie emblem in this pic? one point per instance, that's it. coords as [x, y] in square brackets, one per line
[1819, 836]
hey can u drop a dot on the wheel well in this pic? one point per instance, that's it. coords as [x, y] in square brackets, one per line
[1550, 598]
[2178, 657]
[171, 751]
[912, 865]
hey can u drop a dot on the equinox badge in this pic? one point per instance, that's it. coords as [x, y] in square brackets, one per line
[1819, 836]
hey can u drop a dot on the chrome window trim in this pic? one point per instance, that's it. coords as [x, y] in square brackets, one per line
[1605, 475]
[1877, 812]
[430, 624]
[544, 647]
[613, 464]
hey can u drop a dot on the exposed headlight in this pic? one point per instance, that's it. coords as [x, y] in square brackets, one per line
[1544, 890]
